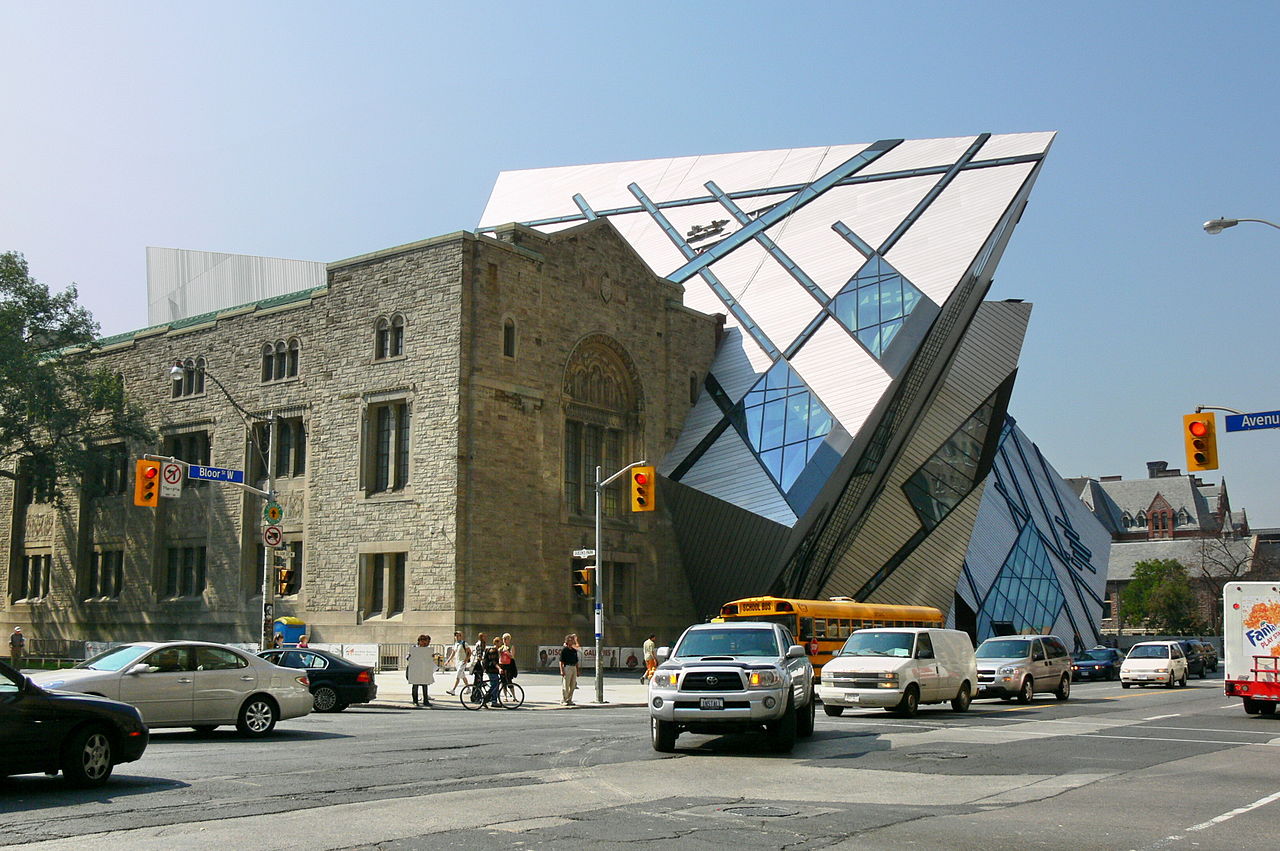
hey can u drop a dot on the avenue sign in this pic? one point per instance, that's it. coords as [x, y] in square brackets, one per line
[1248, 422]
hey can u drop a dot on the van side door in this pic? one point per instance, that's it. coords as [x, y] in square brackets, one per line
[1041, 670]
[925, 669]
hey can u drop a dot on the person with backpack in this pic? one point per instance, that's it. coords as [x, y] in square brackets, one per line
[492, 671]
[460, 656]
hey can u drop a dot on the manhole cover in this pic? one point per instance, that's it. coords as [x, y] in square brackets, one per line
[938, 755]
[760, 812]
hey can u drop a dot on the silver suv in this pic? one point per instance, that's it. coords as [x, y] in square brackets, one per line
[729, 677]
[1018, 666]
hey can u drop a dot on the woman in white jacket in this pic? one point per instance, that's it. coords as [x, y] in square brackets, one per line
[420, 669]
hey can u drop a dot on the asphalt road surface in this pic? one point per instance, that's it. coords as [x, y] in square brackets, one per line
[1140, 768]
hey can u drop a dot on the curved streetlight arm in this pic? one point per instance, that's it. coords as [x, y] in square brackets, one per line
[1215, 226]
[1200, 408]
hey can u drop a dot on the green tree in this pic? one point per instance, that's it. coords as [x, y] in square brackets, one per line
[54, 400]
[1160, 594]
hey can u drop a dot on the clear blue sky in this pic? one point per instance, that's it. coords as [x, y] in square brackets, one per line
[321, 130]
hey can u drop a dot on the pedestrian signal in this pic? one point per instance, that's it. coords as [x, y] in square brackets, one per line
[642, 481]
[146, 483]
[1200, 436]
[583, 581]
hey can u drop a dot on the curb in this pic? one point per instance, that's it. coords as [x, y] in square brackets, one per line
[538, 706]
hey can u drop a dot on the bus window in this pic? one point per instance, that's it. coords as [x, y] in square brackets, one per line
[820, 628]
[806, 629]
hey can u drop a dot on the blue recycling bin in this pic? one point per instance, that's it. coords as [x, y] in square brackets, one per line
[290, 629]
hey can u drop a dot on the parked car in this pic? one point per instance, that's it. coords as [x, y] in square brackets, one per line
[731, 677]
[1018, 666]
[1210, 656]
[190, 684]
[898, 669]
[1197, 658]
[47, 731]
[1100, 663]
[1154, 662]
[336, 683]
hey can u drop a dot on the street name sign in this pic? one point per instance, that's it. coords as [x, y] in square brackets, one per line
[583, 553]
[1249, 422]
[215, 474]
[171, 480]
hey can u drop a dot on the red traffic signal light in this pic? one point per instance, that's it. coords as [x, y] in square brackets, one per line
[642, 489]
[146, 483]
[1200, 438]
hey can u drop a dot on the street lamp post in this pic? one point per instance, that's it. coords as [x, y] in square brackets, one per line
[177, 373]
[1216, 226]
[599, 601]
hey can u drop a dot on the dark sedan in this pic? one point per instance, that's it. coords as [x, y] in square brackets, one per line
[336, 683]
[1197, 661]
[1102, 663]
[81, 735]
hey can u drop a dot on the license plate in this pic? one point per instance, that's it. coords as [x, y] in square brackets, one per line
[851, 697]
[711, 703]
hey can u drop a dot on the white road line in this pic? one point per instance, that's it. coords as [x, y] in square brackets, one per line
[1206, 730]
[1164, 739]
[1261, 802]
[1230, 706]
[1161, 717]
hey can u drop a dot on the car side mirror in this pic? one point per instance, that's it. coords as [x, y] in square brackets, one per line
[662, 653]
[143, 668]
[795, 651]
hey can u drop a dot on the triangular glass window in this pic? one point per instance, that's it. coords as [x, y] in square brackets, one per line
[874, 304]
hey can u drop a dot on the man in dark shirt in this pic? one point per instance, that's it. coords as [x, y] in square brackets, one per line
[569, 668]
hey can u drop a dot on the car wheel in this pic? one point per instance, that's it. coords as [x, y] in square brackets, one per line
[804, 723]
[86, 760]
[324, 699]
[1182, 682]
[204, 728]
[1028, 691]
[664, 735]
[960, 703]
[1269, 708]
[833, 711]
[910, 702]
[782, 733]
[258, 717]
[1125, 685]
[1064, 688]
[1251, 706]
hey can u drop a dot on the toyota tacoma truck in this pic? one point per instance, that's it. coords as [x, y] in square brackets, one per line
[732, 677]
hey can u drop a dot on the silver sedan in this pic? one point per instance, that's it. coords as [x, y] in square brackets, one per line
[190, 684]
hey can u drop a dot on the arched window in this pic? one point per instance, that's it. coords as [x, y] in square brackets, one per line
[1142, 519]
[295, 351]
[1127, 520]
[509, 338]
[388, 337]
[602, 422]
[280, 359]
[268, 361]
[192, 381]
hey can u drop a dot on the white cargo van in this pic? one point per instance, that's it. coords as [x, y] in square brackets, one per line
[900, 668]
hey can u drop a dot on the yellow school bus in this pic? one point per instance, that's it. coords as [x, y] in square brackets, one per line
[823, 625]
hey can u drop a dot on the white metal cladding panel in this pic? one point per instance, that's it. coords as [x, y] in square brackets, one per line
[653, 245]
[702, 417]
[739, 362]
[777, 303]
[1015, 145]
[846, 378]
[729, 471]
[991, 346]
[183, 283]
[935, 252]
[921, 153]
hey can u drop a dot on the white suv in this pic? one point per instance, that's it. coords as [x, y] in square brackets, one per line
[727, 677]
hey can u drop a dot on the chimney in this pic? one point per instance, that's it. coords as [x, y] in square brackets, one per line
[1155, 469]
[1111, 478]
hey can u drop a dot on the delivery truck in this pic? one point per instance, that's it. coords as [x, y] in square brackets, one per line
[1251, 638]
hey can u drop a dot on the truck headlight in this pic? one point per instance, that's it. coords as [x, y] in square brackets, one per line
[763, 679]
[665, 680]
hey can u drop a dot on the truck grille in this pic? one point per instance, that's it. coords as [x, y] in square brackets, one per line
[711, 681]
[838, 680]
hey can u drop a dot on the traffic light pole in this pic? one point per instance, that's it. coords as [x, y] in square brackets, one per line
[268, 552]
[599, 601]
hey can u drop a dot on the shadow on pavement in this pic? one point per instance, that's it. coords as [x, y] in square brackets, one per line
[28, 792]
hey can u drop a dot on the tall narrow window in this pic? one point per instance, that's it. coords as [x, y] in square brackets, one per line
[33, 577]
[190, 446]
[509, 338]
[388, 337]
[603, 407]
[382, 585]
[388, 447]
[192, 381]
[185, 572]
[106, 575]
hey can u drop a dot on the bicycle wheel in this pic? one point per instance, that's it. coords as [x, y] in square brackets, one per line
[472, 696]
[511, 696]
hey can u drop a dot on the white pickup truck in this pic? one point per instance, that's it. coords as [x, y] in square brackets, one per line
[728, 677]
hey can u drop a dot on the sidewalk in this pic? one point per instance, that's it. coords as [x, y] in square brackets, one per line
[541, 691]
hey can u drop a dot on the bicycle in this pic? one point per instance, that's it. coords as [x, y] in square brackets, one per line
[511, 695]
[472, 694]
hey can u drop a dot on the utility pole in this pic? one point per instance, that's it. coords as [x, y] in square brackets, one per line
[268, 551]
[599, 601]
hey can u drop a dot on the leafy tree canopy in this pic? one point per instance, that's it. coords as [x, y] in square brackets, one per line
[54, 400]
[1160, 593]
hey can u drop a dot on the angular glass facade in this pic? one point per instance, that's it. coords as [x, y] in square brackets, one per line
[953, 471]
[1026, 594]
[783, 423]
[875, 303]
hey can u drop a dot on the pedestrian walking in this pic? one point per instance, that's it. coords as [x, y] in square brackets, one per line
[569, 668]
[420, 669]
[17, 646]
[460, 656]
[492, 671]
[477, 659]
[303, 641]
[507, 659]
[650, 657]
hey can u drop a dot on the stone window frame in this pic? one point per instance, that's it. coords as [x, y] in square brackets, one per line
[192, 384]
[382, 579]
[395, 481]
[20, 585]
[281, 360]
[110, 474]
[291, 454]
[510, 337]
[389, 337]
[184, 573]
[91, 577]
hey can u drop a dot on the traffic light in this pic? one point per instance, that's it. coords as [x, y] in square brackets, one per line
[1200, 435]
[583, 581]
[642, 482]
[146, 483]
[284, 581]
